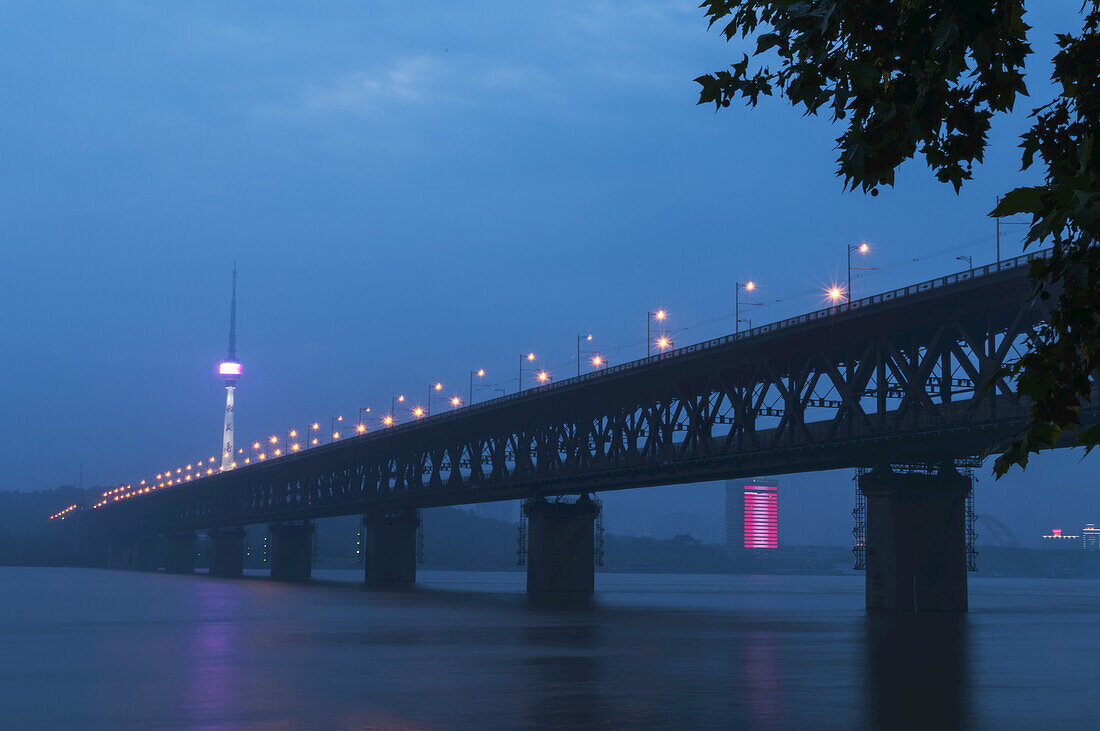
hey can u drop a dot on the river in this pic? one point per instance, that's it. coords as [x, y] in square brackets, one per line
[108, 649]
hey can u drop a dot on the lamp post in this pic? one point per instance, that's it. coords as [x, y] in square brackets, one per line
[335, 434]
[659, 316]
[863, 247]
[596, 356]
[748, 287]
[525, 358]
[1007, 223]
[432, 387]
[394, 401]
[361, 426]
[315, 439]
[480, 373]
[968, 259]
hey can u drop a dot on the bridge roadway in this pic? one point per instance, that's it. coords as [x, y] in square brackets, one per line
[910, 375]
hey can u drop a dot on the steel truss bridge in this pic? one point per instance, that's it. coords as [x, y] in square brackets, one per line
[908, 375]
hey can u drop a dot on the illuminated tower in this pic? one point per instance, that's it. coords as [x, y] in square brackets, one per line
[752, 515]
[230, 371]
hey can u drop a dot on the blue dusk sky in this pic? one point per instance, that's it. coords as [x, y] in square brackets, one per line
[412, 191]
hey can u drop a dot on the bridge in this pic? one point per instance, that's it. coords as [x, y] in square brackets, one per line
[906, 377]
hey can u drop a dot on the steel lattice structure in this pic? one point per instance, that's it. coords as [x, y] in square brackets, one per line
[904, 376]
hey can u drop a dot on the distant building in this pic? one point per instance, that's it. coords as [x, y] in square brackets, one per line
[752, 514]
[1058, 539]
[1090, 537]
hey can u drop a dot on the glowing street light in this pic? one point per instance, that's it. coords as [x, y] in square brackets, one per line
[418, 412]
[663, 343]
[738, 288]
[835, 294]
[455, 402]
[394, 401]
[580, 340]
[387, 420]
[659, 316]
[434, 387]
[597, 361]
[861, 248]
[528, 358]
[332, 426]
[480, 373]
[543, 377]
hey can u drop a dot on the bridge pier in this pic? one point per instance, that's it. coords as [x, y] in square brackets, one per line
[292, 550]
[227, 552]
[389, 548]
[120, 554]
[916, 540]
[179, 554]
[146, 554]
[560, 545]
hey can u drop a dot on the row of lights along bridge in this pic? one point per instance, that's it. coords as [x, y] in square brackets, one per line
[292, 441]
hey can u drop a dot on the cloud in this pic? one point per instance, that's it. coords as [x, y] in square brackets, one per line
[408, 82]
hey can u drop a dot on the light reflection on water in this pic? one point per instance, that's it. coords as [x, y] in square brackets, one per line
[86, 648]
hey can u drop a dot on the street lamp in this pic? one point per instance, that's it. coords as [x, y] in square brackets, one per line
[361, 425]
[659, 316]
[863, 248]
[394, 401]
[335, 420]
[526, 358]
[433, 387]
[968, 259]
[587, 339]
[315, 440]
[748, 287]
[480, 373]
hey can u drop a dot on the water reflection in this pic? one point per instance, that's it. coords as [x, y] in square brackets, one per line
[564, 673]
[917, 670]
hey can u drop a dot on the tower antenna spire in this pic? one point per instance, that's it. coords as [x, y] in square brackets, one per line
[233, 318]
[230, 372]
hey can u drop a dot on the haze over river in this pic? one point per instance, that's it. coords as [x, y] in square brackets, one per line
[106, 649]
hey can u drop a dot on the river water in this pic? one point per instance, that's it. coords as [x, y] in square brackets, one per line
[83, 648]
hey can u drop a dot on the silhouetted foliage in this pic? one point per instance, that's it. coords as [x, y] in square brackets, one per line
[926, 77]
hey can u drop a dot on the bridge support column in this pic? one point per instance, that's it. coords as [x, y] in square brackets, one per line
[179, 553]
[292, 550]
[916, 540]
[560, 545]
[227, 552]
[146, 553]
[120, 554]
[389, 543]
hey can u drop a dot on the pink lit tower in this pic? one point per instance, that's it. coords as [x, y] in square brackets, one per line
[230, 371]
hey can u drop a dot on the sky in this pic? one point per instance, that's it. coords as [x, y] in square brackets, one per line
[411, 192]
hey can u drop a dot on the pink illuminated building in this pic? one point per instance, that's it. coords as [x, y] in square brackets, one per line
[752, 514]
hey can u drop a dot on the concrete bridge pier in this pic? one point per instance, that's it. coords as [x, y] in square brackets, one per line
[179, 552]
[560, 545]
[389, 543]
[227, 552]
[916, 540]
[291, 550]
[146, 554]
[120, 554]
